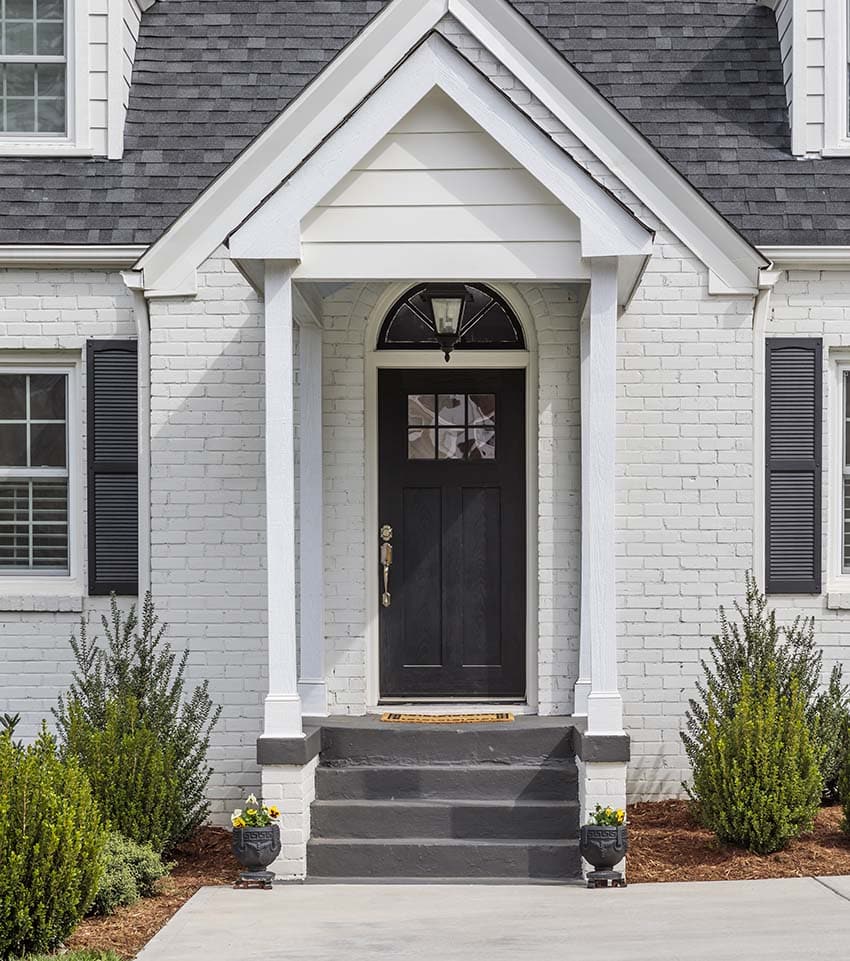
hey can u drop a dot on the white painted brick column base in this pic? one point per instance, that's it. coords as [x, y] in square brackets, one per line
[600, 782]
[292, 787]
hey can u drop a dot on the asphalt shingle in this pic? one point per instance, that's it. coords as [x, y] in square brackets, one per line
[702, 80]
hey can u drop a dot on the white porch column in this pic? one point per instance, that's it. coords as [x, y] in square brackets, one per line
[604, 706]
[283, 704]
[311, 684]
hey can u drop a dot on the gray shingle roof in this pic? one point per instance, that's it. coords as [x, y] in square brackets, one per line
[702, 80]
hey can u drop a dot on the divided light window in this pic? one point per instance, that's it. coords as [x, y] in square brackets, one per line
[33, 67]
[33, 472]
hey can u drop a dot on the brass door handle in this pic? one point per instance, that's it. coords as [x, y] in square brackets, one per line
[386, 562]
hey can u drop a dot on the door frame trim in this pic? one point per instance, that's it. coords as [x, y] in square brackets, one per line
[376, 360]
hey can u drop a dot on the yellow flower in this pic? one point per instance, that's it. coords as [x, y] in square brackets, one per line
[251, 812]
[621, 815]
[239, 822]
[274, 812]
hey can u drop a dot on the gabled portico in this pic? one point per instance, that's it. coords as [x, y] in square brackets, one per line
[344, 217]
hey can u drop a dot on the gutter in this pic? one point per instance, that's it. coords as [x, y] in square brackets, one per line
[143, 330]
[809, 257]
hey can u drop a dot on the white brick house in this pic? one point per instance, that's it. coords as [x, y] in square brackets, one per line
[645, 216]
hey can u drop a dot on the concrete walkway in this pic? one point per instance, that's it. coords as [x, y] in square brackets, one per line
[783, 920]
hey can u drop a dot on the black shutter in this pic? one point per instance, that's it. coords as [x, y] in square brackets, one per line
[113, 466]
[794, 427]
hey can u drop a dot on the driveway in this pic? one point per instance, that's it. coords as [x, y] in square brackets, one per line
[780, 920]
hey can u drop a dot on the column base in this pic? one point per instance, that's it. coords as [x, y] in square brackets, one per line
[604, 712]
[283, 716]
[292, 787]
[314, 698]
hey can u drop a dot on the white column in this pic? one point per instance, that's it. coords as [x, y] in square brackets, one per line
[311, 684]
[582, 688]
[283, 704]
[598, 467]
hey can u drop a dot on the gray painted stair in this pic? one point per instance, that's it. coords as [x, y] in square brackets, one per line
[482, 801]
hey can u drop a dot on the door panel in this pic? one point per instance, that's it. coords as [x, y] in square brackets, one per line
[452, 487]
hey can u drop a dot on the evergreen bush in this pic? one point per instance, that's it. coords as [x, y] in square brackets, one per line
[761, 648]
[134, 775]
[51, 842]
[756, 777]
[137, 665]
[130, 872]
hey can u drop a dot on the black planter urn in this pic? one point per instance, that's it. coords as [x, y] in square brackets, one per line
[604, 846]
[255, 849]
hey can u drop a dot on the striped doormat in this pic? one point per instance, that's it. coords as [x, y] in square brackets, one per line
[447, 718]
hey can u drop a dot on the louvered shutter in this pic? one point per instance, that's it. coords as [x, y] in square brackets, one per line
[113, 466]
[794, 418]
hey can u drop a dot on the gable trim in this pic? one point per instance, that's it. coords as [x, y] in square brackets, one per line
[170, 264]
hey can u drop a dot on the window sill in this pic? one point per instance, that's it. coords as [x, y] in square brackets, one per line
[838, 595]
[29, 148]
[39, 599]
[841, 149]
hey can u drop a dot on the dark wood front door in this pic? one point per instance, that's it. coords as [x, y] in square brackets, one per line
[452, 488]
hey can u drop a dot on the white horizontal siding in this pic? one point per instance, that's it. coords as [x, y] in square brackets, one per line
[815, 75]
[439, 197]
[98, 80]
[130, 36]
[784, 22]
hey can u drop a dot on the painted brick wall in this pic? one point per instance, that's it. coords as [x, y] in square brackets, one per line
[685, 490]
[208, 549]
[55, 311]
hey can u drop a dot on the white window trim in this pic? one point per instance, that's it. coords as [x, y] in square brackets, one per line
[836, 90]
[49, 585]
[837, 582]
[76, 142]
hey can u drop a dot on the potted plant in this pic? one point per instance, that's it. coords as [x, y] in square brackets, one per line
[256, 841]
[604, 843]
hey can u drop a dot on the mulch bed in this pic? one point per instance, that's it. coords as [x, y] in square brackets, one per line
[666, 844]
[204, 860]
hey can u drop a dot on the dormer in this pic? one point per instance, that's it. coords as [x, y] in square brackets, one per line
[814, 38]
[65, 70]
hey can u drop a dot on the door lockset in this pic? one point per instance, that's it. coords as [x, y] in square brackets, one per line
[386, 562]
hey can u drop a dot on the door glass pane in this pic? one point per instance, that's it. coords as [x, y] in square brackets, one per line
[482, 444]
[420, 409]
[47, 445]
[13, 445]
[421, 444]
[482, 409]
[452, 443]
[451, 408]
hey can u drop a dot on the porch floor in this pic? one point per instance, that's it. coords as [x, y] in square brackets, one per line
[792, 919]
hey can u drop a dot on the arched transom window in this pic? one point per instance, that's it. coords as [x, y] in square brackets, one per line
[486, 321]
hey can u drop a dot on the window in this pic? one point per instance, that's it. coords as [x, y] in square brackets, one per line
[33, 68]
[34, 477]
[451, 426]
[487, 322]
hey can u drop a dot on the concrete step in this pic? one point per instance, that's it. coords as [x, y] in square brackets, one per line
[498, 782]
[528, 740]
[431, 858]
[506, 820]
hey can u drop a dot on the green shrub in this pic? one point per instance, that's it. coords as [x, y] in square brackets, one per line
[51, 842]
[130, 872]
[138, 665]
[133, 774]
[844, 782]
[832, 708]
[756, 777]
[788, 655]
